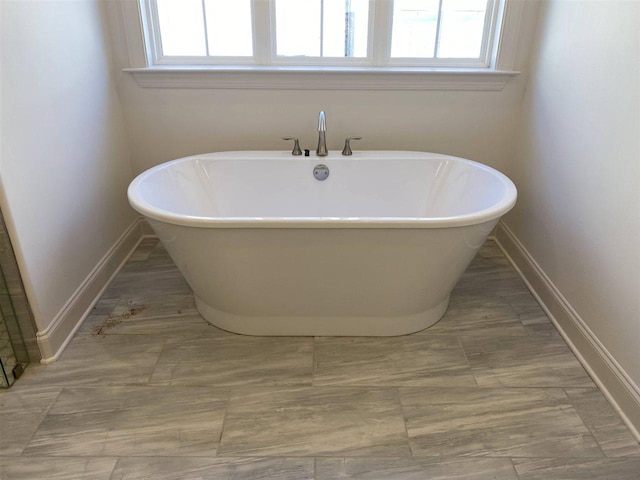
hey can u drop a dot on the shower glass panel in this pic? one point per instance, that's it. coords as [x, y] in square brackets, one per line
[16, 321]
[13, 352]
[7, 357]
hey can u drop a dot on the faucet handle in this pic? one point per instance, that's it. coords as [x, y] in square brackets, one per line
[296, 145]
[346, 151]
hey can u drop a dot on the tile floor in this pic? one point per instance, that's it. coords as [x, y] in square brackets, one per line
[148, 390]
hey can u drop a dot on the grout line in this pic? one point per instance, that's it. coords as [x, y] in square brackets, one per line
[115, 466]
[155, 365]
[515, 470]
[593, 436]
[224, 420]
[46, 414]
[466, 357]
[404, 422]
[313, 362]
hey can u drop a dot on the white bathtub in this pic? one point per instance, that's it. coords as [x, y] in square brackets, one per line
[375, 249]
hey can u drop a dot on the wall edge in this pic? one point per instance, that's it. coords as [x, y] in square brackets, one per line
[54, 339]
[607, 373]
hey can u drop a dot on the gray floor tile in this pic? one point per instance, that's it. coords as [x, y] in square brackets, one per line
[490, 275]
[92, 324]
[155, 291]
[147, 380]
[146, 288]
[24, 399]
[54, 468]
[236, 360]
[132, 421]
[318, 421]
[540, 326]
[478, 316]
[603, 422]
[495, 422]
[490, 249]
[21, 412]
[182, 326]
[480, 285]
[175, 468]
[145, 249]
[529, 312]
[101, 360]
[16, 430]
[414, 469]
[524, 362]
[411, 360]
[524, 305]
[105, 305]
[149, 286]
[577, 468]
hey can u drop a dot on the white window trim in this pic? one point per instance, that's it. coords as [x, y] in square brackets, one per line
[321, 77]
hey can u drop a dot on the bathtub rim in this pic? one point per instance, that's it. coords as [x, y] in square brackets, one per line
[497, 210]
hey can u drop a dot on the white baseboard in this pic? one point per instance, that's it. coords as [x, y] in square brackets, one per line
[53, 340]
[613, 381]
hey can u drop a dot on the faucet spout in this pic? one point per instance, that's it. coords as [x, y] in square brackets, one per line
[322, 122]
[321, 151]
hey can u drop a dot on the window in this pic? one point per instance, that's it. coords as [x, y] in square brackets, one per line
[327, 44]
[440, 29]
[453, 33]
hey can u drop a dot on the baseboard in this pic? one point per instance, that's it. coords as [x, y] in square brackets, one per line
[615, 383]
[53, 340]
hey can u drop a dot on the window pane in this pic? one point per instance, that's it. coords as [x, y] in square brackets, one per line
[322, 28]
[414, 28]
[461, 28]
[182, 27]
[345, 28]
[229, 27]
[298, 28]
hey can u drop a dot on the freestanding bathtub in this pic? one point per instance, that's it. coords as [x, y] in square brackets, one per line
[373, 250]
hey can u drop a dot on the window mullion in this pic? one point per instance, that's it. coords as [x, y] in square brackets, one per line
[489, 28]
[380, 31]
[436, 46]
[321, 28]
[206, 28]
[263, 34]
[151, 9]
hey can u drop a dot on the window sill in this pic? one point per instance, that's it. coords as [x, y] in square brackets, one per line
[321, 78]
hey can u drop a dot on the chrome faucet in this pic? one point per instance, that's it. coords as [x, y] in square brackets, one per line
[321, 151]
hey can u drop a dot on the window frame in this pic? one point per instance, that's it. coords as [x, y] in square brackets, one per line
[377, 71]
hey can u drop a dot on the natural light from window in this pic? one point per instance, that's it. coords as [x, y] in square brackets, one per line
[323, 31]
[437, 28]
[331, 28]
[226, 32]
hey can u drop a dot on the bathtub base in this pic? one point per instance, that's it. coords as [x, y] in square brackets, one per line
[306, 326]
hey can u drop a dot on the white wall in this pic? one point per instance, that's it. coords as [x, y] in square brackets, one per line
[578, 167]
[65, 163]
[171, 123]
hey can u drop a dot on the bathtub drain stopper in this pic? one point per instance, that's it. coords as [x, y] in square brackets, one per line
[321, 172]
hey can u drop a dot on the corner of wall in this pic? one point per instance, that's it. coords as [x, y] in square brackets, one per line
[607, 373]
[53, 339]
